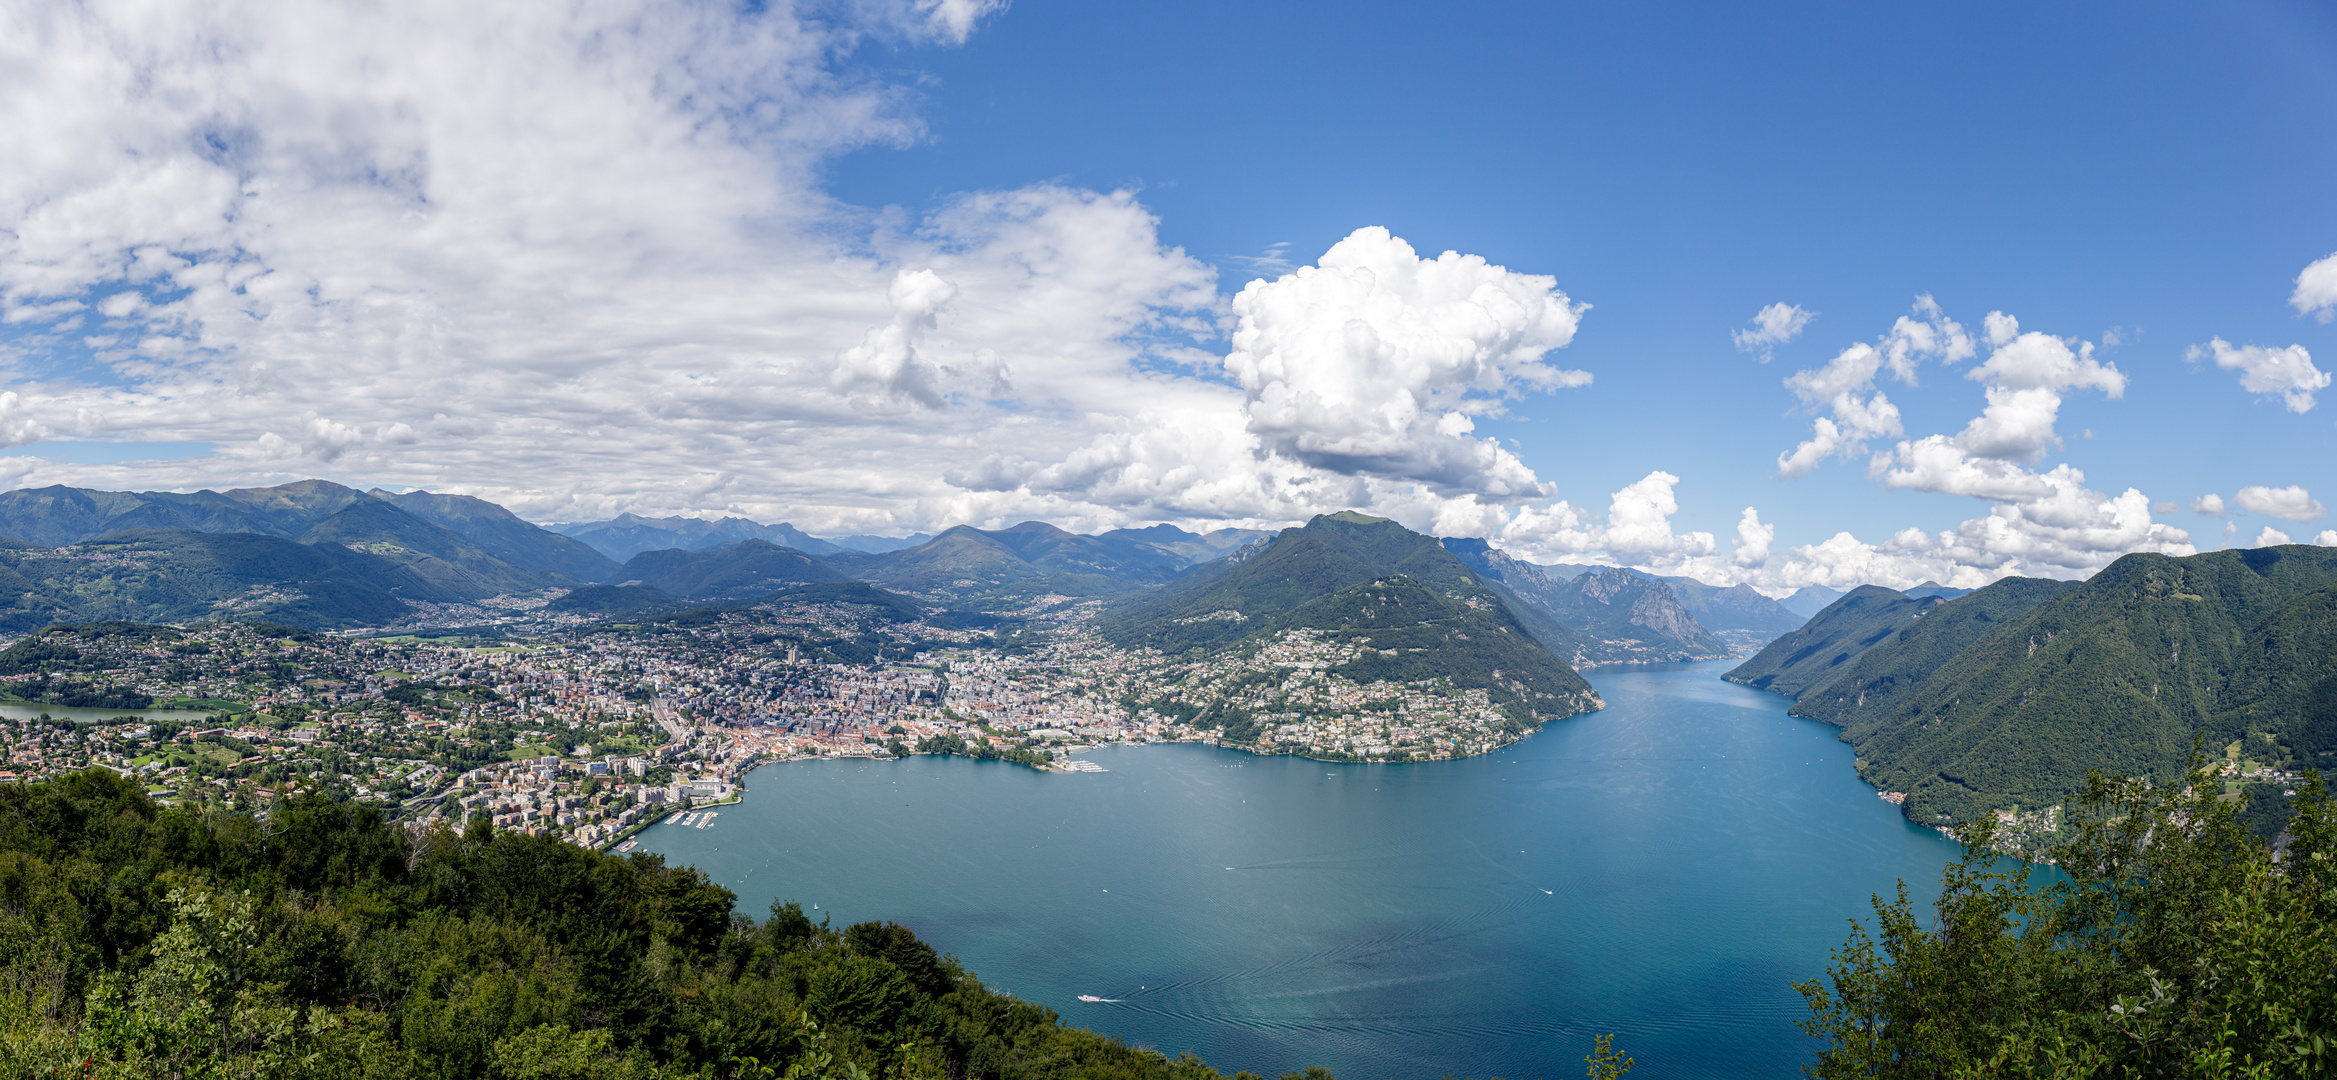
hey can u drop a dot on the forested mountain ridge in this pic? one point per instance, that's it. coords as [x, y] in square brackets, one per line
[745, 568]
[178, 575]
[966, 563]
[1602, 615]
[323, 943]
[2024, 687]
[1420, 611]
[1812, 656]
[627, 535]
[504, 534]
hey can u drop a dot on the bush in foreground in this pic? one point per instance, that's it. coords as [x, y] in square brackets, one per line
[144, 941]
[2180, 944]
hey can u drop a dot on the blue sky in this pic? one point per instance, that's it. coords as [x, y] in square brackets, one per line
[2159, 169]
[887, 266]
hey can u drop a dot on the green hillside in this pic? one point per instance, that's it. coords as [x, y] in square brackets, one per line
[1812, 656]
[1873, 684]
[1604, 615]
[989, 567]
[176, 576]
[504, 535]
[455, 567]
[146, 941]
[2121, 673]
[746, 568]
[1364, 580]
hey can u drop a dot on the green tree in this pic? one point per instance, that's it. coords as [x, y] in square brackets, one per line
[2178, 945]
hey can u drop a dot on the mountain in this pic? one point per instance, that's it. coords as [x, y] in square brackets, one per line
[876, 545]
[1506, 575]
[504, 535]
[1933, 588]
[1813, 655]
[1350, 577]
[746, 568]
[969, 564]
[1604, 615]
[609, 601]
[468, 548]
[1872, 683]
[1808, 600]
[627, 535]
[1190, 546]
[2001, 707]
[459, 569]
[1739, 615]
[57, 515]
[181, 575]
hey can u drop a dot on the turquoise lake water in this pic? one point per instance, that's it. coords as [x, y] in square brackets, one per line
[1664, 869]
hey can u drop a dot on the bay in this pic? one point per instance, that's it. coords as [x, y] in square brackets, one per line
[1664, 870]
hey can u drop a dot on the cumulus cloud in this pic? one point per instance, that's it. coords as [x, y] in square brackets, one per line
[1637, 529]
[2039, 522]
[1845, 386]
[1375, 362]
[2292, 502]
[1772, 326]
[2270, 537]
[2208, 505]
[555, 256]
[2316, 289]
[1753, 539]
[2264, 371]
[2326, 538]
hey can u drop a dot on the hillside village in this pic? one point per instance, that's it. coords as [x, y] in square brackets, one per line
[593, 733]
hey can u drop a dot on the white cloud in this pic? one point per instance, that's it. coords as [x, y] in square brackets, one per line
[2266, 371]
[2210, 505]
[1772, 326]
[1753, 539]
[1843, 385]
[2326, 538]
[556, 256]
[1374, 361]
[2316, 289]
[2292, 502]
[2043, 523]
[2271, 537]
[1637, 529]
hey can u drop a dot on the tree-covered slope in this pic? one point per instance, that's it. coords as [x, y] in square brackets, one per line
[2288, 686]
[1602, 615]
[162, 576]
[1873, 684]
[627, 535]
[1419, 611]
[974, 565]
[457, 567]
[1812, 656]
[746, 568]
[504, 535]
[1330, 553]
[2119, 674]
[144, 941]
[57, 515]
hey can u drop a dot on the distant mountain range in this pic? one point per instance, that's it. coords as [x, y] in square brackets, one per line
[435, 548]
[2007, 696]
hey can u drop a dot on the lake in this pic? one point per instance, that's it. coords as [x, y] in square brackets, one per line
[1664, 870]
